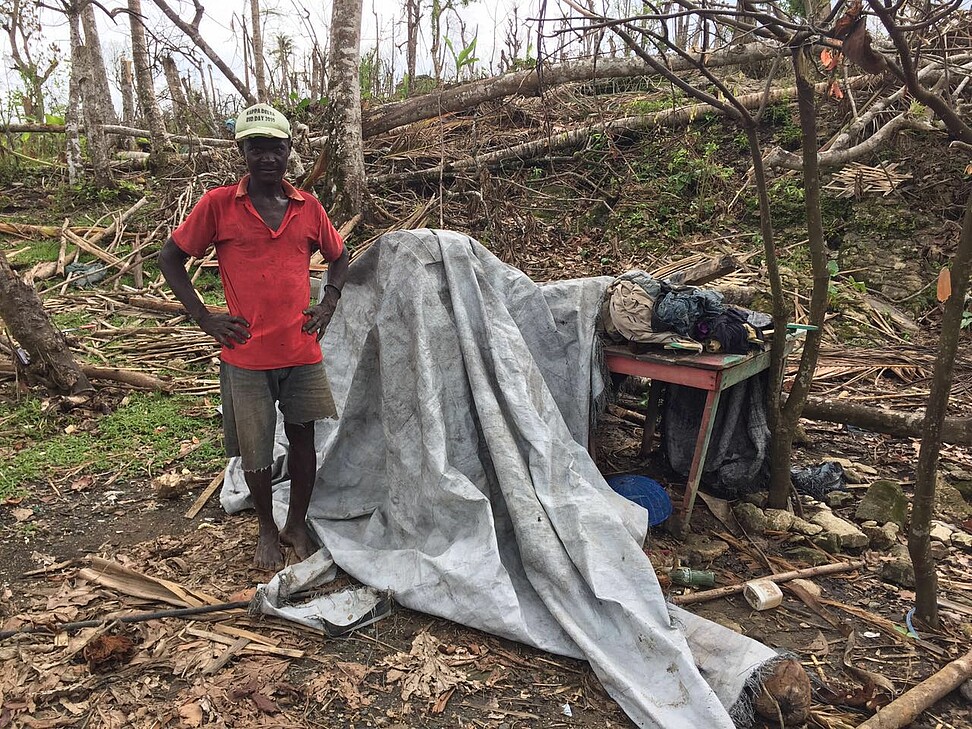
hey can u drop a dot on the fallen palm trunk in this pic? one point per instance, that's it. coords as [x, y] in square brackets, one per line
[892, 422]
[903, 710]
[824, 569]
[138, 380]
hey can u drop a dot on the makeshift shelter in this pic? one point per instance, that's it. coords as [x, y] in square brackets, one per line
[457, 479]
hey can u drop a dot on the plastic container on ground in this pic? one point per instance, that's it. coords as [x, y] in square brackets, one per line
[645, 492]
[762, 594]
[692, 578]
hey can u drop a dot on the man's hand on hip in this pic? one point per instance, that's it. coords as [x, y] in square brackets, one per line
[225, 329]
[319, 317]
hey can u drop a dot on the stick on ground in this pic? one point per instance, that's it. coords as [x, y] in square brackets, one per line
[204, 496]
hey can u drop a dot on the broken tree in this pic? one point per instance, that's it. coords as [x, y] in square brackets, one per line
[51, 361]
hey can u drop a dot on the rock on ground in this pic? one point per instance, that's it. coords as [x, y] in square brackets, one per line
[883, 502]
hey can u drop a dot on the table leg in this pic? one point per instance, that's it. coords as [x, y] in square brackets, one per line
[651, 416]
[698, 461]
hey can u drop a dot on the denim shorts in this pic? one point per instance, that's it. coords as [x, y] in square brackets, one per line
[249, 407]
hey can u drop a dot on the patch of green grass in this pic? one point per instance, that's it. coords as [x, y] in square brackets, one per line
[138, 439]
[210, 287]
[87, 196]
[786, 130]
[651, 106]
[40, 250]
[70, 319]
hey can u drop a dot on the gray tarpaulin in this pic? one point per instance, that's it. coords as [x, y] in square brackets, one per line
[456, 478]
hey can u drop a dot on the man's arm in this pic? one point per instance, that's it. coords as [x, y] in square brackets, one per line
[225, 329]
[320, 315]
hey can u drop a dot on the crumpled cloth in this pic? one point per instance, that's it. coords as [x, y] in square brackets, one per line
[680, 310]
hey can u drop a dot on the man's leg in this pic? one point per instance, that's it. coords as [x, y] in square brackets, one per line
[249, 420]
[268, 555]
[302, 464]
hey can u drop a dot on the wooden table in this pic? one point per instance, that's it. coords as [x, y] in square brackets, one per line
[711, 372]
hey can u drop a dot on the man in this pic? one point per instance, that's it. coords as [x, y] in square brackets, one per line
[264, 231]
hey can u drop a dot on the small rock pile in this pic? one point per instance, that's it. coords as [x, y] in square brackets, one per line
[877, 523]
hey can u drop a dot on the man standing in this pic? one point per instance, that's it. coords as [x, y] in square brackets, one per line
[264, 231]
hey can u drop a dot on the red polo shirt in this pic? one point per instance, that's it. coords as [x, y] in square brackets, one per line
[264, 272]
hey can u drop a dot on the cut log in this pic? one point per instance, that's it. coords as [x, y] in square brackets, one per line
[892, 422]
[905, 709]
[626, 415]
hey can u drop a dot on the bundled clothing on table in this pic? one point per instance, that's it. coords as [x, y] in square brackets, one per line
[643, 310]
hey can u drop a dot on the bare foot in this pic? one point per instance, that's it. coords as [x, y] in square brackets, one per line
[268, 554]
[300, 540]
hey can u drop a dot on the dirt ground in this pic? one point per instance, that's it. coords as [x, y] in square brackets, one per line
[165, 677]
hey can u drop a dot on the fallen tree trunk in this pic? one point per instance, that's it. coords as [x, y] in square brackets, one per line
[892, 422]
[138, 380]
[25, 230]
[580, 136]
[905, 709]
[529, 83]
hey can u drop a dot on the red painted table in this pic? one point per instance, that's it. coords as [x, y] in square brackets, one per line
[711, 372]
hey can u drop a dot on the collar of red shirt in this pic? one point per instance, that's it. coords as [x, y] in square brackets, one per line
[292, 192]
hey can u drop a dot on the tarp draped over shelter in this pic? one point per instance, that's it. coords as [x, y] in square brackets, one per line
[456, 478]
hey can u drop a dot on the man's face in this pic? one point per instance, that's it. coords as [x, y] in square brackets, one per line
[266, 158]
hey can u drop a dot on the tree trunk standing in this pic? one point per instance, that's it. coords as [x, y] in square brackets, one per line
[347, 173]
[51, 361]
[145, 88]
[413, 17]
[285, 46]
[259, 63]
[317, 76]
[922, 507]
[774, 390]
[72, 133]
[91, 105]
[20, 22]
[781, 444]
[436, 44]
[180, 106]
[129, 114]
[96, 65]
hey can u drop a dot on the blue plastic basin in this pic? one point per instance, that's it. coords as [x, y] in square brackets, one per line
[645, 492]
